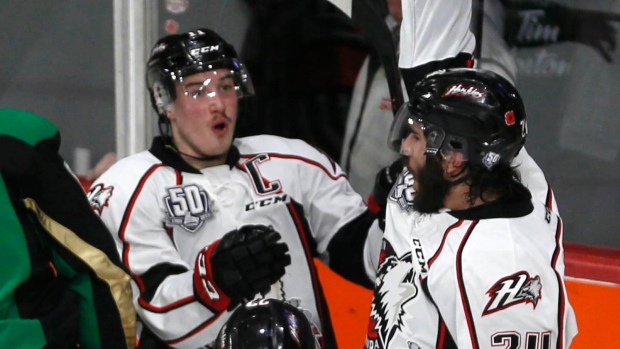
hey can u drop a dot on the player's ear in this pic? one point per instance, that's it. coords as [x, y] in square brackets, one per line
[170, 112]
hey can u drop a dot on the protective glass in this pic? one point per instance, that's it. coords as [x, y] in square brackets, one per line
[219, 84]
[236, 79]
[402, 126]
[437, 140]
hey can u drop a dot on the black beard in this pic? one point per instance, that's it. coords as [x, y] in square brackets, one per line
[432, 187]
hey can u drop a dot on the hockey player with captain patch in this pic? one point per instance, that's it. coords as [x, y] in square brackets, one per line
[205, 221]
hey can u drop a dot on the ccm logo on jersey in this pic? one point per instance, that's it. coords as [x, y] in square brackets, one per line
[266, 202]
[512, 290]
[99, 196]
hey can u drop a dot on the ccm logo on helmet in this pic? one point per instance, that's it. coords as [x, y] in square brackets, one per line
[197, 51]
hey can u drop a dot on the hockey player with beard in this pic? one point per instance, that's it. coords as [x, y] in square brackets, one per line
[476, 306]
[469, 258]
[205, 221]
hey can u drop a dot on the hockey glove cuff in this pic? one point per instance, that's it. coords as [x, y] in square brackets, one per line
[205, 286]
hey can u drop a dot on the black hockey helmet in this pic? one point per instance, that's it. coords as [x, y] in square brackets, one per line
[472, 111]
[176, 56]
[267, 324]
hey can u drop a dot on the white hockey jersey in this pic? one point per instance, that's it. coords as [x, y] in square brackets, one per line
[488, 277]
[162, 212]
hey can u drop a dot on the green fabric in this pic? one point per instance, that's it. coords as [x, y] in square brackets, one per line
[30, 167]
[80, 283]
[14, 269]
[21, 333]
[26, 126]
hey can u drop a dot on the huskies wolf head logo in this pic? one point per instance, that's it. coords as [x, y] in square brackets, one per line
[394, 287]
[99, 196]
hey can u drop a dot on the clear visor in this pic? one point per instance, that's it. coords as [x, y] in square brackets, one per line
[226, 78]
[400, 128]
[220, 83]
[403, 125]
[437, 140]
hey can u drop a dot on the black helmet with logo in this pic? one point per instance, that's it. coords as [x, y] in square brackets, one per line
[267, 324]
[179, 55]
[472, 111]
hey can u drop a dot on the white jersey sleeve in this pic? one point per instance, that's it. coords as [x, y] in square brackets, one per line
[434, 30]
[534, 179]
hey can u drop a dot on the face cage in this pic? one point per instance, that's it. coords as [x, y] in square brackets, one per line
[437, 140]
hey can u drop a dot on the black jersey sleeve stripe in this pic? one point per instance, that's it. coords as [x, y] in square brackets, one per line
[346, 250]
[155, 276]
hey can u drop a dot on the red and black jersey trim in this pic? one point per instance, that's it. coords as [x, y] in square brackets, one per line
[329, 173]
[461, 284]
[195, 330]
[328, 338]
[562, 288]
[549, 197]
[444, 339]
[128, 211]
[459, 273]
[151, 281]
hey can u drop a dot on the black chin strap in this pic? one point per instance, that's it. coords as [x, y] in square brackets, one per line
[165, 130]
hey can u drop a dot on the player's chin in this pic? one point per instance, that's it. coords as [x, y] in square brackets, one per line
[222, 146]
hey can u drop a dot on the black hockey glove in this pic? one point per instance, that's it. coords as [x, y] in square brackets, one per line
[384, 180]
[243, 263]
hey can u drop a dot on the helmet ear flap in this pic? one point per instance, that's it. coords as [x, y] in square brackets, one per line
[160, 98]
[161, 91]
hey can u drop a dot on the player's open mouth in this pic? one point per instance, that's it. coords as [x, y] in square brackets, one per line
[220, 126]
